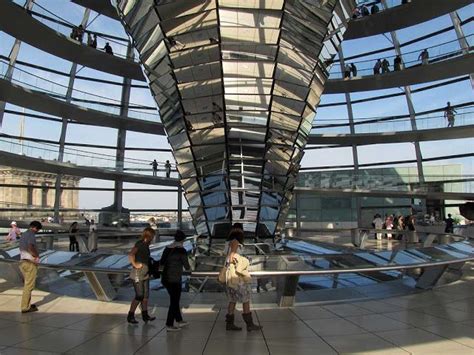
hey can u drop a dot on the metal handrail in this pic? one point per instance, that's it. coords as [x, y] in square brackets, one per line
[214, 274]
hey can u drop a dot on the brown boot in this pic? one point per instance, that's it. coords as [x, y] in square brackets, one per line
[229, 322]
[249, 321]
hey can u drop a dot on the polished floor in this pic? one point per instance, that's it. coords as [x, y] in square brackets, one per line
[438, 321]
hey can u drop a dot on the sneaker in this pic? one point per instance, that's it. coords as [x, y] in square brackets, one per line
[182, 324]
[172, 329]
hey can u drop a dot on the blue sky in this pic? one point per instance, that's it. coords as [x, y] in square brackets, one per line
[456, 93]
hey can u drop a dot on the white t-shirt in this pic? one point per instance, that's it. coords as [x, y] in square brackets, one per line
[92, 228]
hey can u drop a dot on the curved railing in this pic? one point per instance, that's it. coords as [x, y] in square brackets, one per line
[291, 262]
[64, 27]
[79, 97]
[79, 157]
[437, 53]
[463, 117]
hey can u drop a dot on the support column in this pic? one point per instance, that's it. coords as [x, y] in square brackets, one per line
[355, 155]
[12, 60]
[411, 109]
[461, 38]
[62, 137]
[122, 136]
[180, 206]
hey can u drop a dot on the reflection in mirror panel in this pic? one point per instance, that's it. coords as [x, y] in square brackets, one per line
[243, 78]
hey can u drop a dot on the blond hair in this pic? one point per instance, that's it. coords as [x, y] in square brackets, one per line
[148, 233]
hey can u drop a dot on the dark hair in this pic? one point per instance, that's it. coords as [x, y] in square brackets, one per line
[36, 224]
[179, 236]
[238, 225]
[236, 234]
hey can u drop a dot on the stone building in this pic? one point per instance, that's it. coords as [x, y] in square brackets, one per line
[31, 194]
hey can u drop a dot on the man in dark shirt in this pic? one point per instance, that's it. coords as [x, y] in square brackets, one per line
[449, 224]
[154, 166]
[29, 265]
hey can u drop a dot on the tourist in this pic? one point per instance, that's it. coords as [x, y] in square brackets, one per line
[347, 71]
[14, 233]
[356, 13]
[449, 112]
[364, 11]
[397, 63]
[29, 257]
[139, 257]
[385, 66]
[238, 282]
[92, 239]
[154, 166]
[77, 33]
[424, 56]
[353, 70]
[378, 224]
[89, 39]
[389, 225]
[374, 9]
[108, 49]
[173, 260]
[92, 40]
[377, 66]
[168, 168]
[73, 244]
[400, 226]
[449, 224]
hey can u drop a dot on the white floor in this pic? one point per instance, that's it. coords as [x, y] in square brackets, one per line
[432, 322]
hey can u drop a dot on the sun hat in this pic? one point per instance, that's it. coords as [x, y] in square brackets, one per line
[13, 223]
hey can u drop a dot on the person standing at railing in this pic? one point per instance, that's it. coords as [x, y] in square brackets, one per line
[14, 233]
[424, 56]
[397, 63]
[389, 225]
[353, 70]
[449, 112]
[73, 244]
[29, 265]
[347, 71]
[378, 224]
[168, 168]
[449, 224]
[385, 66]
[92, 239]
[108, 49]
[377, 67]
[154, 166]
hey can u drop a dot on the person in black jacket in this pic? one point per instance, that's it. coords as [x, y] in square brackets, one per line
[174, 258]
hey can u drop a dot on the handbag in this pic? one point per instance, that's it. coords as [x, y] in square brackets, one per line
[154, 268]
[222, 278]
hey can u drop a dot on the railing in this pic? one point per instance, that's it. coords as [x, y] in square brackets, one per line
[388, 182]
[78, 157]
[81, 98]
[410, 59]
[59, 25]
[463, 117]
[370, 3]
[290, 264]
